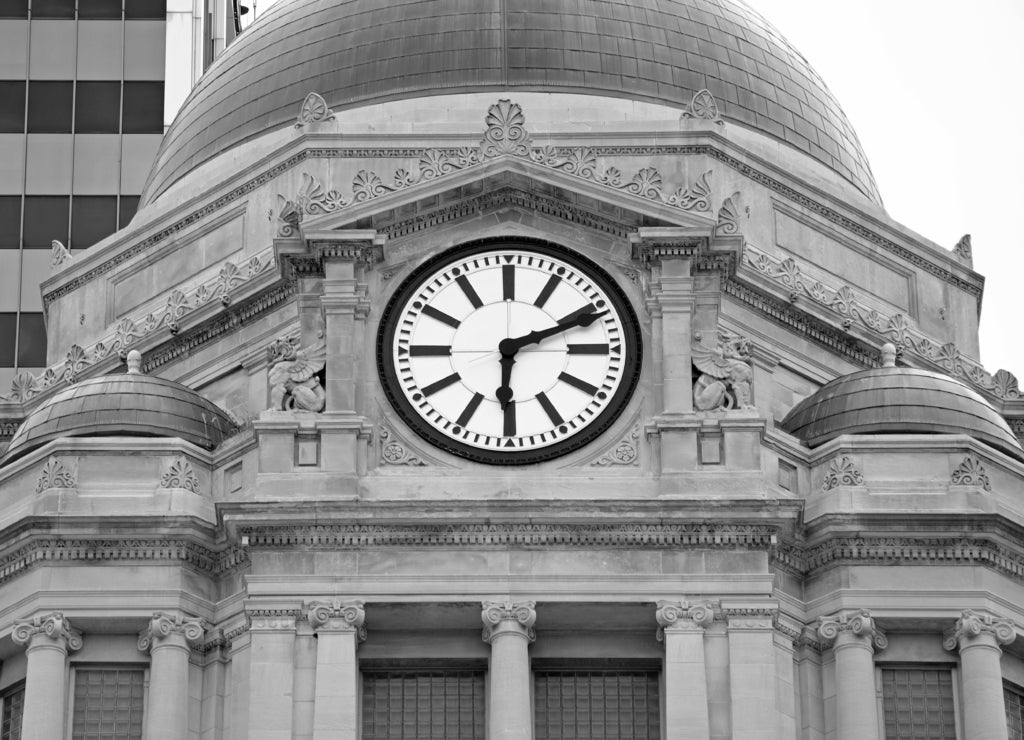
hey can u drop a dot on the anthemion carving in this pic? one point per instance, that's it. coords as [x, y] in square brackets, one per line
[704, 107]
[294, 375]
[728, 222]
[841, 471]
[971, 472]
[725, 376]
[55, 475]
[59, 254]
[963, 251]
[314, 110]
[179, 474]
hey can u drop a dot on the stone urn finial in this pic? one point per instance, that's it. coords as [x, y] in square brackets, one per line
[888, 355]
[134, 362]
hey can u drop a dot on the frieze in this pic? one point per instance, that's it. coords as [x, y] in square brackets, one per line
[503, 535]
[970, 472]
[130, 330]
[897, 328]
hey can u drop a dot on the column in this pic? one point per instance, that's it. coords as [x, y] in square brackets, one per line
[271, 665]
[979, 636]
[681, 628]
[168, 639]
[339, 628]
[48, 639]
[508, 628]
[855, 638]
[752, 671]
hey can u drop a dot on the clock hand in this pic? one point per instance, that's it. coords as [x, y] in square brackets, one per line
[509, 347]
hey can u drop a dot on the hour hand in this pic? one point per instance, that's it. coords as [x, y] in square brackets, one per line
[504, 391]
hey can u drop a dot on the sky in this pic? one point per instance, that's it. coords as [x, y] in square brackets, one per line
[935, 91]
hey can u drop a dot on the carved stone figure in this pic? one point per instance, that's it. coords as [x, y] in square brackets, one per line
[726, 373]
[294, 383]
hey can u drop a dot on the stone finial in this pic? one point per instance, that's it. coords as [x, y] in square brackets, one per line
[173, 629]
[973, 626]
[963, 250]
[53, 629]
[506, 616]
[857, 624]
[337, 616]
[888, 355]
[59, 254]
[134, 361]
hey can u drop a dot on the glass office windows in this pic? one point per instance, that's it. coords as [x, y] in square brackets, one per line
[93, 217]
[143, 108]
[49, 106]
[12, 106]
[46, 219]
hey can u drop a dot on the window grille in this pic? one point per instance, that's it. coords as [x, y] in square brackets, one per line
[423, 705]
[1014, 700]
[596, 705]
[107, 704]
[918, 704]
[10, 720]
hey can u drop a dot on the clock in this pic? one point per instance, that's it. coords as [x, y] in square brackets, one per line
[509, 351]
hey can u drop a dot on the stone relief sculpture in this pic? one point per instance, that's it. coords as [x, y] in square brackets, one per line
[725, 373]
[59, 254]
[294, 380]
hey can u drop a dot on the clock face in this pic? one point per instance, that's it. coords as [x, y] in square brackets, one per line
[509, 352]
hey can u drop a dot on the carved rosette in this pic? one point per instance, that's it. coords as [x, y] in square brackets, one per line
[502, 617]
[337, 616]
[857, 624]
[625, 452]
[174, 630]
[51, 630]
[973, 628]
[677, 616]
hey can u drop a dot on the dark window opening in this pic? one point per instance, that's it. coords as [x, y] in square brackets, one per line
[49, 107]
[46, 219]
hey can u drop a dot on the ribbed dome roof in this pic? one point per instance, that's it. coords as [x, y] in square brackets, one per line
[358, 52]
[899, 400]
[129, 405]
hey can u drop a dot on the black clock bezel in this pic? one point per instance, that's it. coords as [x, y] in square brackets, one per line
[631, 340]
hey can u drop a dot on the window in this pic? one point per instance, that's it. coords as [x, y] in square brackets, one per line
[13, 8]
[1013, 696]
[31, 338]
[93, 217]
[149, 9]
[13, 705]
[12, 106]
[608, 704]
[46, 219]
[49, 107]
[10, 221]
[423, 704]
[98, 108]
[100, 9]
[129, 205]
[8, 335]
[107, 704]
[917, 704]
[53, 8]
[143, 109]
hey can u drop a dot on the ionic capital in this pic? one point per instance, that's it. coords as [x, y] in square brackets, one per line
[677, 616]
[975, 628]
[852, 628]
[169, 629]
[337, 616]
[503, 617]
[47, 630]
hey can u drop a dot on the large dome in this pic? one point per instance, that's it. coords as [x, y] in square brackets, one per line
[358, 52]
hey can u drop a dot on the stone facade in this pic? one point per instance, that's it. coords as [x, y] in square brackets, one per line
[763, 583]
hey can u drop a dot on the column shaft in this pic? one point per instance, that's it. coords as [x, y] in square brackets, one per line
[508, 628]
[752, 678]
[856, 704]
[271, 663]
[167, 711]
[337, 687]
[686, 693]
[982, 686]
[48, 640]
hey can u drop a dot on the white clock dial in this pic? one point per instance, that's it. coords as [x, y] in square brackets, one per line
[511, 350]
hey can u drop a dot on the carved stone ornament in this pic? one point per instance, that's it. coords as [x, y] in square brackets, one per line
[704, 107]
[728, 222]
[180, 475]
[174, 628]
[625, 452]
[337, 616]
[677, 614]
[972, 625]
[963, 251]
[53, 629]
[393, 450]
[505, 616]
[55, 475]
[841, 472]
[859, 624]
[293, 376]
[971, 472]
[59, 254]
[724, 382]
[506, 130]
[314, 110]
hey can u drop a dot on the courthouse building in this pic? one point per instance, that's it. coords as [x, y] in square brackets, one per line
[509, 369]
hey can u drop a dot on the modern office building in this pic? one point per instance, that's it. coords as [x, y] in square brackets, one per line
[507, 369]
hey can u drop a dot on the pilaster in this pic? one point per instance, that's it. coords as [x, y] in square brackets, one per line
[752, 675]
[168, 639]
[854, 637]
[681, 627]
[979, 638]
[508, 628]
[48, 638]
[271, 668]
[339, 627]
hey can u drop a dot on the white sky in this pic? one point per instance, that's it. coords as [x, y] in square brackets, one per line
[935, 90]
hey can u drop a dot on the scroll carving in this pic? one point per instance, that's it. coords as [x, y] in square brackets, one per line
[520, 615]
[337, 616]
[53, 628]
[859, 624]
[164, 626]
[971, 625]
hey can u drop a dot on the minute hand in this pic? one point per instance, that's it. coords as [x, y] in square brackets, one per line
[511, 346]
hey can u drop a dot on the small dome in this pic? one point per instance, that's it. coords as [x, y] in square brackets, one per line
[899, 400]
[123, 405]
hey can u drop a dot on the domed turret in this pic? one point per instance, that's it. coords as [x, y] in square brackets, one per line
[898, 400]
[132, 404]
